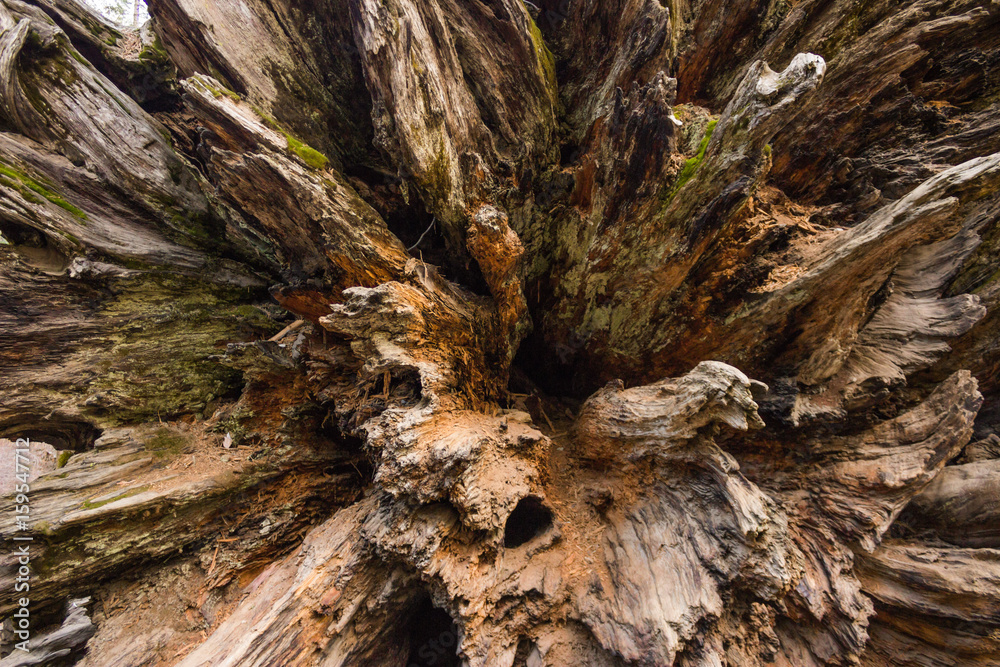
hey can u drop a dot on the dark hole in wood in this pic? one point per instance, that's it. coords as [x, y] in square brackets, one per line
[524, 647]
[433, 638]
[22, 235]
[529, 519]
[77, 435]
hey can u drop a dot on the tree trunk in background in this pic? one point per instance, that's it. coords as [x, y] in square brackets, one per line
[441, 332]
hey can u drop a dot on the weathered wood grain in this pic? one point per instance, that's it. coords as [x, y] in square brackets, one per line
[287, 283]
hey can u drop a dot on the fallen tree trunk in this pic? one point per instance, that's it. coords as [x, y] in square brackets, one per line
[504, 334]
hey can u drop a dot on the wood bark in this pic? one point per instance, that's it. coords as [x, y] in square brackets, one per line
[505, 334]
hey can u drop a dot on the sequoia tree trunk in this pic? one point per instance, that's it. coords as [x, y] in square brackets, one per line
[500, 333]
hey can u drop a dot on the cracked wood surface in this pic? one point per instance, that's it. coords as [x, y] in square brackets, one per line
[698, 323]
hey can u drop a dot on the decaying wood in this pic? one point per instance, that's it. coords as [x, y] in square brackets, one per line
[960, 505]
[59, 644]
[935, 605]
[505, 334]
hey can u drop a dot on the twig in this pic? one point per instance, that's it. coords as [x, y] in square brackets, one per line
[547, 420]
[211, 568]
[281, 334]
[429, 228]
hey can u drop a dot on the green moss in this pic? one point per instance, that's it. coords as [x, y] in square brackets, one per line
[216, 91]
[58, 201]
[545, 58]
[165, 443]
[23, 191]
[270, 122]
[161, 362]
[69, 237]
[692, 164]
[307, 154]
[154, 51]
[91, 505]
[37, 101]
[63, 459]
[77, 57]
[248, 311]
[63, 70]
[24, 183]
[219, 92]
[194, 226]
